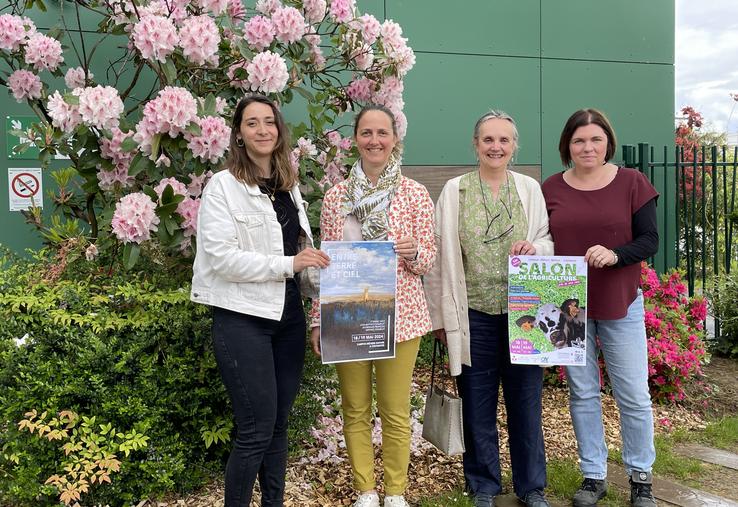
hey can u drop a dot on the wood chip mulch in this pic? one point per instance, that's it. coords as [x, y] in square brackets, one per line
[431, 472]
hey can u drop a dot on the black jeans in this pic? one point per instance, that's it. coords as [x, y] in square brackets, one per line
[522, 387]
[260, 361]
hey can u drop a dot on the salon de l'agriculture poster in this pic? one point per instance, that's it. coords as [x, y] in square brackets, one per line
[547, 309]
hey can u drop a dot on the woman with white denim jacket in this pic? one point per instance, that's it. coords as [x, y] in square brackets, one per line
[253, 241]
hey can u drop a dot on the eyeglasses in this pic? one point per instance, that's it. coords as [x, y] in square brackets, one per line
[491, 221]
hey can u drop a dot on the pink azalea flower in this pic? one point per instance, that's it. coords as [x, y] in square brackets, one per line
[134, 218]
[43, 52]
[24, 85]
[268, 72]
[178, 187]
[289, 24]
[361, 89]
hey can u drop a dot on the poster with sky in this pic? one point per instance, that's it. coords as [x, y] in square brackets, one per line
[357, 301]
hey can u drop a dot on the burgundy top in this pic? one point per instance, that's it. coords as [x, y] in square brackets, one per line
[579, 219]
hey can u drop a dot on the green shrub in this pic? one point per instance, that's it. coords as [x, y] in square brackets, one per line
[725, 308]
[128, 349]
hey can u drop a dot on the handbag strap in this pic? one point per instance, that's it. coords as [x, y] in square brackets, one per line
[440, 350]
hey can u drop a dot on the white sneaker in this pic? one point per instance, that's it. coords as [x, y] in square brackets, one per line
[367, 500]
[395, 501]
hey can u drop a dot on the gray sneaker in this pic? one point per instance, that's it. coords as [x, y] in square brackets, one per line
[640, 489]
[590, 492]
[535, 498]
[484, 500]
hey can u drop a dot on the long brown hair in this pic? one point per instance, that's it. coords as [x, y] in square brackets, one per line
[243, 167]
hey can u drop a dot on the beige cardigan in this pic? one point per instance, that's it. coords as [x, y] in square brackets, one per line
[445, 285]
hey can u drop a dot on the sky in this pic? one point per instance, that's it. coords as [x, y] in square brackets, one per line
[707, 60]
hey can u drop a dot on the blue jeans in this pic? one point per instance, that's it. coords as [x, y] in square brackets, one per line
[522, 386]
[260, 361]
[623, 343]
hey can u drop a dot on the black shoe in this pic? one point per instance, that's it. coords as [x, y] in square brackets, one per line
[640, 489]
[535, 498]
[590, 492]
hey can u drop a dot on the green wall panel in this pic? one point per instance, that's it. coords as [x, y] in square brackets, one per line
[446, 94]
[622, 30]
[63, 14]
[637, 98]
[501, 27]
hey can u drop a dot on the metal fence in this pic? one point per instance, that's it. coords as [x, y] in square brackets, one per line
[698, 211]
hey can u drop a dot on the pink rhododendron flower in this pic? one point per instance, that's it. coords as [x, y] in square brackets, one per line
[267, 6]
[404, 60]
[334, 137]
[111, 148]
[100, 106]
[361, 89]
[289, 24]
[342, 11]
[236, 11]
[117, 177]
[268, 72]
[63, 116]
[176, 10]
[390, 93]
[345, 144]
[259, 32]
[134, 218]
[212, 143]
[187, 209]
[197, 183]
[314, 10]
[199, 39]
[24, 85]
[370, 28]
[363, 56]
[391, 33]
[401, 122]
[172, 110]
[242, 81]
[306, 147]
[214, 6]
[316, 54]
[43, 52]
[155, 37]
[178, 187]
[75, 77]
[13, 31]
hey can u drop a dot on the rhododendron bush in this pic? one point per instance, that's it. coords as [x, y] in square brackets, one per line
[143, 153]
[675, 333]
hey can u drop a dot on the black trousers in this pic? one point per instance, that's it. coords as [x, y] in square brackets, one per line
[260, 361]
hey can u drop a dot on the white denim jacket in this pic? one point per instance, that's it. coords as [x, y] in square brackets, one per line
[240, 263]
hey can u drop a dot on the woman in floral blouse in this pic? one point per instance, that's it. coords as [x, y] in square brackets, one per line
[482, 217]
[377, 202]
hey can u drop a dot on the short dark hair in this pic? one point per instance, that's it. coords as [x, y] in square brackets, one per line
[582, 118]
[240, 164]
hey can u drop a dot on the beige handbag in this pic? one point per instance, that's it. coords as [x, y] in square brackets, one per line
[442, 420]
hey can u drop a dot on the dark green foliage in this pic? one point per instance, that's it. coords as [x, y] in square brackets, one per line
[725, 308]
[129, 349]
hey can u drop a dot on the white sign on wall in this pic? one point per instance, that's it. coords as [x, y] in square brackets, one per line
[25, 188]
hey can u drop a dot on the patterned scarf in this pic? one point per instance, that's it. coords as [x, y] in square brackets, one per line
[370, 203]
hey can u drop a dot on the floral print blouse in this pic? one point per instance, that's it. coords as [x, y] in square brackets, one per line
[410, 214]
[487, 229]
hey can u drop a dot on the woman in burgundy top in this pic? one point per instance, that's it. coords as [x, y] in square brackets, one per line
[608, 214]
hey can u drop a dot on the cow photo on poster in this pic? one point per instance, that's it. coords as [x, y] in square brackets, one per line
[547, 309]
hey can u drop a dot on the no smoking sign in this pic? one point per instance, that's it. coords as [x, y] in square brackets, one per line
[24, 188]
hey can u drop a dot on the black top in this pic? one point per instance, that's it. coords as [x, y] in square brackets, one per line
[645, 236]
[286, 211]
